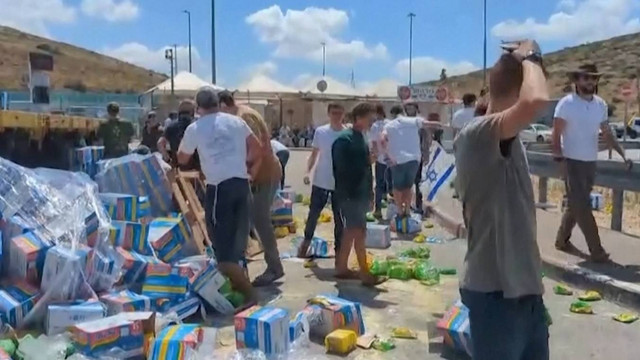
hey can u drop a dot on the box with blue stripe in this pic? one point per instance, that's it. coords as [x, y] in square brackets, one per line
[17, 299]
[98, 337]
[135, 265]
[133, 236]
[65, 266]
[165, 281]
[175, 341]
[168, 236]
[455, 328]
[26, 256]
[125, 301]
[61, 317]
[263, 328]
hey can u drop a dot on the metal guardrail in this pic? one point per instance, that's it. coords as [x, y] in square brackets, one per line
[610, 174]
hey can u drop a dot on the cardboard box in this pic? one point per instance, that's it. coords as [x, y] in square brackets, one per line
[174, 342]
[340, 314]
[287, 194]
[165, 281]
[378, 236]
[61, 317]
[167, 236]
[98, 337]
[61, 259]
[184, 307]
[263, 328]
[455, 328]
[17, 299]
[125, 301]
[210, 285]
[282, 211]
[102, 269]
[135, 265]
[133, 236]
[27, 253]
[120, 207]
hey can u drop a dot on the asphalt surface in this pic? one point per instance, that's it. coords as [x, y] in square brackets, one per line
[410, 304]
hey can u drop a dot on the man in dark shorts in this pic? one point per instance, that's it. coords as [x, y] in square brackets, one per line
[502, 282]
[173, 135]
[115, 134]
[354, 188]
[229, 154]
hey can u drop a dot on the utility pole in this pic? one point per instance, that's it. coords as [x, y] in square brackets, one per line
[168, 54]
[175, 57]
[213, 41]
[189, 22]
[324, 58]
[484, 55]
[411, 16]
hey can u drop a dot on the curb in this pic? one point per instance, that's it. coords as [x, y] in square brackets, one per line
[623, 293]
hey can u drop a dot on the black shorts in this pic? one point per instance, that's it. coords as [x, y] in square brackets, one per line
[227, 216]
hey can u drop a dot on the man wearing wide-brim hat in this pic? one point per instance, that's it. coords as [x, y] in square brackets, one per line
[577, 120]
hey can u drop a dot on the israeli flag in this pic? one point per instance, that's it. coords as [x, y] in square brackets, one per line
[439, 173]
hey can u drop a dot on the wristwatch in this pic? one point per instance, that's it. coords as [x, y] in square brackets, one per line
[533, 56]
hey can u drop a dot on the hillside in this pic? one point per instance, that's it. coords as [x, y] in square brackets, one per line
[74, 67]
[618, 58]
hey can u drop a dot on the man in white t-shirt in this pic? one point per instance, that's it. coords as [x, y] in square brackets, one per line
[282, 153]
[229, 156]
[381, 170]
[401, 143]
[577, 119]
[464, 116]
[323, 183]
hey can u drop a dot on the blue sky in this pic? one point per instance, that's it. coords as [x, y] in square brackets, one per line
[280, 40]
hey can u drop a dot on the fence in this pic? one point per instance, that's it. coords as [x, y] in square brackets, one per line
[610, 174]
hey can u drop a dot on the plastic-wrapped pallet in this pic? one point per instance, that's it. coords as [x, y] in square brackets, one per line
[140, 175]
[56, 209]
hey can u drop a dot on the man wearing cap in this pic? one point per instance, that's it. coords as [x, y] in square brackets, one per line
[577, 119]
[263, 187]
[151, 132]
[173, 135]
[114, 133]
[230, 157]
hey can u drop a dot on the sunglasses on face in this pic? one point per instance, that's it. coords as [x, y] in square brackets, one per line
[589, 77]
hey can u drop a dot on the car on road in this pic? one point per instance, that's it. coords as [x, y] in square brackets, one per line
[539, 133]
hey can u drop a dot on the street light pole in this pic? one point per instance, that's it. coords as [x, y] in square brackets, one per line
[189, 22]
[484, 55]
[324, 58]
[175, 57]
[213, 41]
[411, 16]
[169, 55]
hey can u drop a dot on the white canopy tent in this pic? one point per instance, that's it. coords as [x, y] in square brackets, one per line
[184, 82]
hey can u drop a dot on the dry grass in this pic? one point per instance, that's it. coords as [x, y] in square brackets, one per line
[74, 67]
[617, 58]
[630, 213]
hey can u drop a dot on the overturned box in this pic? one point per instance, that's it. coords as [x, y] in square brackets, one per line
[378, 236]
[27, 254]
[336, 313]
[212, 287]
[17, 299]
[167, 236]
[263, 328]
[175, 341]
[135, 265]
[455, 328]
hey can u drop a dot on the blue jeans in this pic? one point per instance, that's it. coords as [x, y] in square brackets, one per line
[319, 198]
[507, 329]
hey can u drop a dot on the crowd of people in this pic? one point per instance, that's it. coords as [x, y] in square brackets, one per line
[501, 283]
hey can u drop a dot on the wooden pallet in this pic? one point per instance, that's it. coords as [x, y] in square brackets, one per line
[190, 206]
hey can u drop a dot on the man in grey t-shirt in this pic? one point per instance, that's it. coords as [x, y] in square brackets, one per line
[501, 284]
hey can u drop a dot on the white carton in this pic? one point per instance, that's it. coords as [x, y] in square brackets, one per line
[60, 317]
[208, 284]
[378, 236]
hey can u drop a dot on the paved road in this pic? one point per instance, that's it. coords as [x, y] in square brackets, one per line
[410, 304]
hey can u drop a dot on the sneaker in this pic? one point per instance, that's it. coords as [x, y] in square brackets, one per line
[602, 257]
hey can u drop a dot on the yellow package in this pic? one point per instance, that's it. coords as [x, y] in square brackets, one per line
[281, 231]
[306, 201]
[626, 318]
[403, 333]
[590, 295]
[325, 216]
[341, 342]
[420, 238]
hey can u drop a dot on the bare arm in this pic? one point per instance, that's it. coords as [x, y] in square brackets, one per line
[385, 147]
[533, 96]
[311, 161]
[254, 155]
[559, 125]
[611, 141]
[183, 157]
[162, 147]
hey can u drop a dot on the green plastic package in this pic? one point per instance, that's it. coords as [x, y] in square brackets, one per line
[448, 271]
[379, 267]
[9, 346]
[422, 252]
[235, 298]
[581, 307]
[370, 217]
[425, 272]
[226, 288]
[400, 271]
[384, 345]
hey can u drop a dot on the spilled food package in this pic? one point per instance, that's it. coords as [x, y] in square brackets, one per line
[174, 342]
[336, 313]
[167, 237]
[135, 265]
[112, 335]
[61, 317]
[17, 299]
[213, 287]
[281, 211]
[165, 281]
[27, 255]
[125, 301]
[263, 328]
[133, 236]
[455, 328]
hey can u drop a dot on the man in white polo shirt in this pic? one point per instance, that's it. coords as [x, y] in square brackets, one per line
[229, 156]
[577, 119]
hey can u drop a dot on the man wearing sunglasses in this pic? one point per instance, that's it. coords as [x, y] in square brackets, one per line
[578, 118]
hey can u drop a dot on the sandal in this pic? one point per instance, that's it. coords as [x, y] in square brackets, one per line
[348, 275]
[267, 278]
[303, 250]
[373, 281]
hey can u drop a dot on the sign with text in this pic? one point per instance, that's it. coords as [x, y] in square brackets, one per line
[423, 93]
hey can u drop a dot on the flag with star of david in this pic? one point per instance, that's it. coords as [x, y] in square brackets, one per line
[438, 174]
